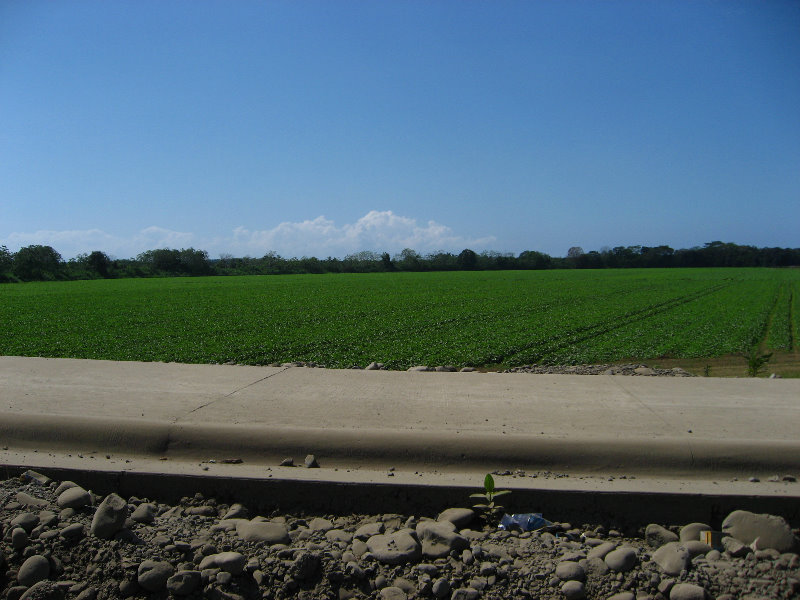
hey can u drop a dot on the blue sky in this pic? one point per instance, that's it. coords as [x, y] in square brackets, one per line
[325, 128]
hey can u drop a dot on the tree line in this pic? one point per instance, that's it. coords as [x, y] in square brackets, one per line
[44, 263]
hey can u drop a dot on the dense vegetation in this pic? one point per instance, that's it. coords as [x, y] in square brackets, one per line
[404, 319]
[44, 263]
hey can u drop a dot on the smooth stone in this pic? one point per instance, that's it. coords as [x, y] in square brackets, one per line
[687, 591]
[28, 500]
[320, 524]
[672, 558]
[623, 596]
[184, 583]
[440, 587]
[33, 570]
[602, 550]
[236, 511]
[73, 532]
[771, 531]
[145, 513]
[570, 571]
[19, 538]
[439, 539]
[394, 549]
[392, 593]
[109, 517]
[265, 532]
[153, 575]
[26, 521]
[657, 536]
[230, 562]
[697, 548]
[368, 530]
[74, 497]
[64, 486]
[460, 517]
[573, 590]
[339, 535]
[622, 559]
[43, 590]
[692, 531]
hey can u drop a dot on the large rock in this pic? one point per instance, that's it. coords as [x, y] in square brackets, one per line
[769, 530]
[440, 538]
[153, 575]
[672, 558]
[396, 548]
[230, 562]
[687, 591]
[184, 583]
[692, 531]
[264, 532]
[622, 559]
[460, 517]
[109, 517]
[145, 513]
[33, 570]
[570, 571]
[657, 536]
[74, 497]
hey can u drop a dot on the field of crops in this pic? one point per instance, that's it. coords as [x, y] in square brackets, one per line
[404, 319]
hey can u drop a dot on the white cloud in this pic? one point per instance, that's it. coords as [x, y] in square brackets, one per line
[377, 230]
[321, 237]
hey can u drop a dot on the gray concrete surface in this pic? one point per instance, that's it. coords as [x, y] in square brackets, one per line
[701, 428]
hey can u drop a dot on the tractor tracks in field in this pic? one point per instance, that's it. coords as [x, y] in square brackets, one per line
[589, 332]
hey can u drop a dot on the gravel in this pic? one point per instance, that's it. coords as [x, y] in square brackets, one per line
[191, 550]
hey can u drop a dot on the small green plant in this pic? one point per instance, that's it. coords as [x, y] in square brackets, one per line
[488, 507]
[756, 362]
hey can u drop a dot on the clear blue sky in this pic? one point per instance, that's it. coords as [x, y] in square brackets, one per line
[325, 128]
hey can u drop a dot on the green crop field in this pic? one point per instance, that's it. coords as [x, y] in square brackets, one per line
[402, 319]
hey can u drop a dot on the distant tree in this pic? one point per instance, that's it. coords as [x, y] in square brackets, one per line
[409, 260]
[533, 260]
[467, 259]
[574, 252]
[99, 262]
[194, 262]
[36, 262]
[6, 261]
[386, 262]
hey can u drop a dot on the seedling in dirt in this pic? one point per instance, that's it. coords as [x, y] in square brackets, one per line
[756, 362]
[488, 507]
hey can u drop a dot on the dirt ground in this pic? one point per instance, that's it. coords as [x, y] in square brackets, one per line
[785, 364]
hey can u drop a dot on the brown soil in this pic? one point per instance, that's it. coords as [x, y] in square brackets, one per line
[785, 364]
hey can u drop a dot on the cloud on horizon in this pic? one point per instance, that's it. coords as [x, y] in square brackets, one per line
[320, 237]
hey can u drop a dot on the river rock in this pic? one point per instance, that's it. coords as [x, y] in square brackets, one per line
[74, 497]
[460, 517]
[153, 575]
[570, 571]
[687, 591]
[622, 559]
[144, 513]
[657, 536]
[439, 538]
[34, 569]
[395, 548]
[264, 532]
[769, 530]
[184, 583]
[692, 531]
[672, 557]
[109, 517]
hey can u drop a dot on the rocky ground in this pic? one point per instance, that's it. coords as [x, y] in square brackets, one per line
[633, 369]
[61, 541]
